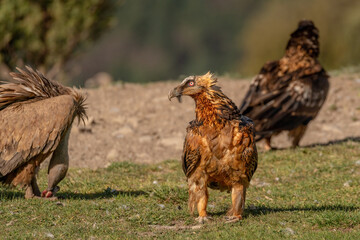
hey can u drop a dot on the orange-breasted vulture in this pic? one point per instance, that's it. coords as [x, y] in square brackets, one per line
[287, 94]
[219, 148]
[36, 115]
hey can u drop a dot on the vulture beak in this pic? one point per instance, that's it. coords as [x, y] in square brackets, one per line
[176, 92]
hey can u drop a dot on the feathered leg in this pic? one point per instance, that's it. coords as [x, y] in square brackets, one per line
[198, 196]
[296, 135]
[25, 176]
[238, 195]
[58, 167]
[268, 143]
[33, 189]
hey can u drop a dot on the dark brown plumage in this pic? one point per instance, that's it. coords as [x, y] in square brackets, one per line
[219, 149]
[288, 93]
[36, 115]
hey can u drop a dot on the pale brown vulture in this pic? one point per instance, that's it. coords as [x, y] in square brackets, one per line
[36, 115]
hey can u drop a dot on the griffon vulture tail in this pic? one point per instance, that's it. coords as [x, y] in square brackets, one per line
[36, 115]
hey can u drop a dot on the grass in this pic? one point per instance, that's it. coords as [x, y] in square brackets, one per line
[307, 193]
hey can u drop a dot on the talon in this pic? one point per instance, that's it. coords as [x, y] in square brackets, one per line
[202, 220]
[44, 193]
[47, 194]
[232, 219]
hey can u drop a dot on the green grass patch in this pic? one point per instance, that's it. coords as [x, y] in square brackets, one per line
[306, 193]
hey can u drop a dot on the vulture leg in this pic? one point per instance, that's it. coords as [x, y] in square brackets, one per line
[296, 135]
[268, 143]
[58, 166]
[238, 195]
[33, 190]
[198, 196]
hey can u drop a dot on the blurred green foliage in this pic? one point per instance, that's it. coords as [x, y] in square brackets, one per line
[46, 34]
[161, 39]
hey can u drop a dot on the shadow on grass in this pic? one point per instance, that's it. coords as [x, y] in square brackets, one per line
[100, 195]
[332, 142]
[9, 194]
[353, 139]
[267, 210]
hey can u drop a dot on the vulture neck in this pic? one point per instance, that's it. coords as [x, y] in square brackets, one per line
[296, 53]
[213, 108]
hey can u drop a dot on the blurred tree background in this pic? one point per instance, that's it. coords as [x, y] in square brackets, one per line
[156, 40]
[47, 34]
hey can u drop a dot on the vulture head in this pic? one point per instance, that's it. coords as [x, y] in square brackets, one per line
[193, 86]
[305, 38]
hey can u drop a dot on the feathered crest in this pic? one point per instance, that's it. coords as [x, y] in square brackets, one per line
[208, 80]
[29, 84]
[305, 36]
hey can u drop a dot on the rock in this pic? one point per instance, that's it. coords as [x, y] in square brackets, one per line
[143, 156]
[119, 120]
[49, 235]
[90, 121]
[112, 154]
[133, 121]
[258, 183]
[114, 110]
[145, 139]
[357, 163]
[331, 128]
[10, 223]
[125, 130]
[100, 79]
[176, 142]
[347, 183]
[288, 231]
[162, 206]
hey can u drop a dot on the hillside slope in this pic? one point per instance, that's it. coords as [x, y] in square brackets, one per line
[137, 123]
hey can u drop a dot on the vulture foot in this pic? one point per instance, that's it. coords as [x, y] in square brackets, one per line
[50, 194]
[204, 219]
[231, 219]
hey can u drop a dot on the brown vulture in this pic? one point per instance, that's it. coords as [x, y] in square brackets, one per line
[219, 148]
[287, 94]
[36, 115]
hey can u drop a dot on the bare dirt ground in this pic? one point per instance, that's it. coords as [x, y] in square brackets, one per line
[132, 122]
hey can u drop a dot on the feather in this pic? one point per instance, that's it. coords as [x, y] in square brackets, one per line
[289, 92]
[35, 115]
[219, 148]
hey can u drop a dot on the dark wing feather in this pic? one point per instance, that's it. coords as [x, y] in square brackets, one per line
[191, 152]
[32, 128]
[282, 101]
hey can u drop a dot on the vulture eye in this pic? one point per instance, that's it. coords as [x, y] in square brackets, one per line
[191, 83]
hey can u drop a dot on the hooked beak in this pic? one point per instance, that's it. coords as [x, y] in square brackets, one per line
[176, 92]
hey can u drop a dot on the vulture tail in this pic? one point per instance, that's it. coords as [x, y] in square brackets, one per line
[31, 85]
